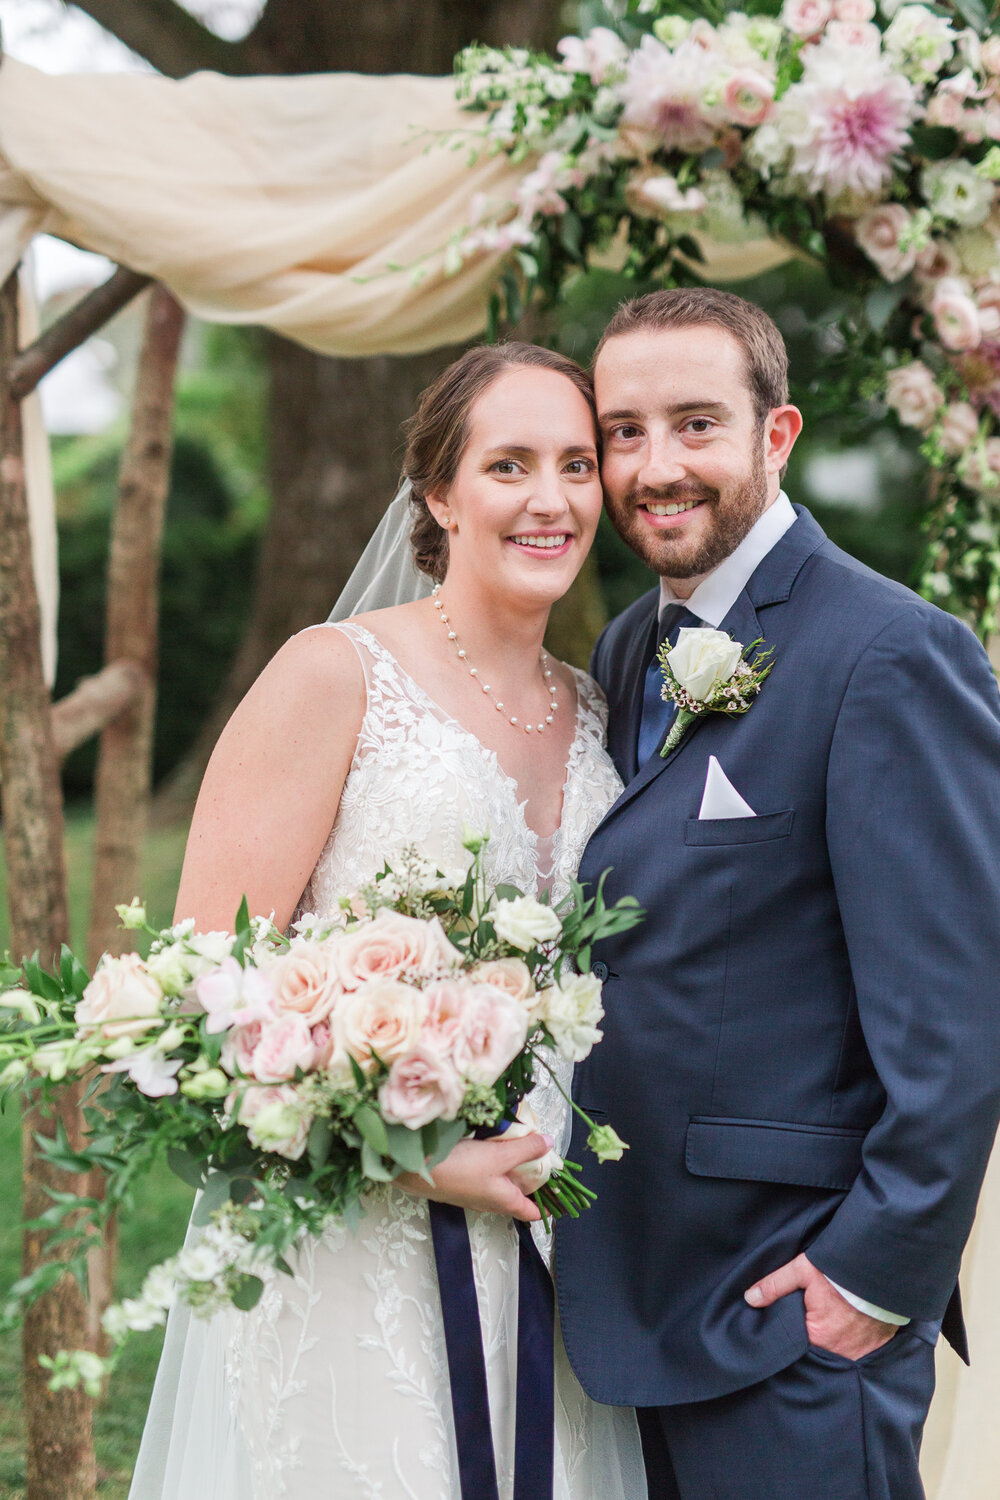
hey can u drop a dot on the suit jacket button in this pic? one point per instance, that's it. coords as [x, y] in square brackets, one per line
[599, 970]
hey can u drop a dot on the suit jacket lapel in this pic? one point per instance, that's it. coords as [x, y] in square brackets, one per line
[770, 584]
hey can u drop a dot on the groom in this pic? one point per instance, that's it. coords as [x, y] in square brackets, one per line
[802, 1040]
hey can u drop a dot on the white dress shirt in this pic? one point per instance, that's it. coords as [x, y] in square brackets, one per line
[711, 602]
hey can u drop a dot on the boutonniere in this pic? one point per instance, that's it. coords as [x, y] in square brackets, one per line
[708, 672]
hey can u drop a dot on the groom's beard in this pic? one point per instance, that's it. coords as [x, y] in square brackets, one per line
[730, 516]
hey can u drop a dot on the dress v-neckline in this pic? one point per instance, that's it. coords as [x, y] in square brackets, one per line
[537, 839]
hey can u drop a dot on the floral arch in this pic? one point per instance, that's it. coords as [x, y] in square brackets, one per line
[863, 139]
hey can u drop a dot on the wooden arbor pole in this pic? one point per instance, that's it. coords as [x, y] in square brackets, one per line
[125, 761]
[60, 1448]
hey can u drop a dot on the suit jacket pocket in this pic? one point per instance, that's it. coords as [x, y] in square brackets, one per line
[822, 1156]
[702, 832]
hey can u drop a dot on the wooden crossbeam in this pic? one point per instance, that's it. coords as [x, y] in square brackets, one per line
[96, 702]
[67, 333]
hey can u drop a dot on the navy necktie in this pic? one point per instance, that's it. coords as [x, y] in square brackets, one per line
[657, 715]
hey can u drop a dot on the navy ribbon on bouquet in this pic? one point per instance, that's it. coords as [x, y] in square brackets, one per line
[535, 1405]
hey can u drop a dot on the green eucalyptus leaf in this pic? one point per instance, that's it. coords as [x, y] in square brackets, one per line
[247, 1293]
[450, 1132]
[318, 1144]
[372, 1128]
[372, 1165]
[406, 1147]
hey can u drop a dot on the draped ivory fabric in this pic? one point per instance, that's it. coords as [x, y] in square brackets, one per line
[281, 201]
[286, 202]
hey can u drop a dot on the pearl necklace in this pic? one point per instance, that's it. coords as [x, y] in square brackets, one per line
[474, 672]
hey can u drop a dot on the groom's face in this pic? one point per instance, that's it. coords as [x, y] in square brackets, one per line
[684, 451]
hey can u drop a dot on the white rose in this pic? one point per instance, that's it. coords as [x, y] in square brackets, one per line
[914, 395]
[919, 42]
[525, 923]
[571, 1010]
[531, 1175]
[122, 999]
[955, 191]
[703, 659]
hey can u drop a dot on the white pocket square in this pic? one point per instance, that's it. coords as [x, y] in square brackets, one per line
[720, 799]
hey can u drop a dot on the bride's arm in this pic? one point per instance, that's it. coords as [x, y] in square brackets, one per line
[272, 788]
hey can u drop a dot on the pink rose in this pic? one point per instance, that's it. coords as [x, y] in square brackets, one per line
[392, 946]
[945, 107]
[511, 975]
[806, 18]
[443, 1019]
[937, 261]
[955, 315]
[305, 980]
[747, 97]
[913, 393]
[238, 1048]
[422, 1086]
[493, 1031]
[122, 999]
[854, 34]
[854, 12]
[959, 427]
[285, 1045]
[383, 1017]
[988, 303]
[330, 1058]
[275, 1119]
[878, 233]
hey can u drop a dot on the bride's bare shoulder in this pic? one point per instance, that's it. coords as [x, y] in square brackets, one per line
[318, 665]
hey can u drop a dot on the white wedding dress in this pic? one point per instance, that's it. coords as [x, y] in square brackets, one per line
[336, 1386]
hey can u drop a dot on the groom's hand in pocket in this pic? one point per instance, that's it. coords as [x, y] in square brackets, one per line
[475, 1175]
[831, 1322]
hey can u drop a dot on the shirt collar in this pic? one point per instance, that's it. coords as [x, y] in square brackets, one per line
[715, 595]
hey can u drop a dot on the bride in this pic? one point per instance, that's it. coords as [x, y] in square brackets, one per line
[399, 727]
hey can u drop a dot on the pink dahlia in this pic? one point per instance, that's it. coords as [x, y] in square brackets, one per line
[847, 121]
[663, 94]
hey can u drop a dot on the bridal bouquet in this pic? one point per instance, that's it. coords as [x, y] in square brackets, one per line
[288, 1077]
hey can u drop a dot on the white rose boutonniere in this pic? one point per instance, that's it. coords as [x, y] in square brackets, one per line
[708, 672]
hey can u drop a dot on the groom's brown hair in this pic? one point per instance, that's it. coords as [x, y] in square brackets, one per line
[764, 352]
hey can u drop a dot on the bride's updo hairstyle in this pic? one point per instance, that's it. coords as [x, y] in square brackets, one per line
[438, 432]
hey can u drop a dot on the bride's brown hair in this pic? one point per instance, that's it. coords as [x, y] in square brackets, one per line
[438, 431]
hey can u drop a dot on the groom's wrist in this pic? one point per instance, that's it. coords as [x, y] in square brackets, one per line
[897, 1320]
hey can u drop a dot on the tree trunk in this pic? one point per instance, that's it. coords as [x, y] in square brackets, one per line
[60, 1451]
[335, 424]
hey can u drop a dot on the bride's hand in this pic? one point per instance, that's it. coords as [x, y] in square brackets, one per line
[474, 1175]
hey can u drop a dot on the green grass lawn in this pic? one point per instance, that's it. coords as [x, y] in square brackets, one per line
[153, 1230]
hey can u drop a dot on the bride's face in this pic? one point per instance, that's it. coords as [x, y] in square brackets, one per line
[523, 507]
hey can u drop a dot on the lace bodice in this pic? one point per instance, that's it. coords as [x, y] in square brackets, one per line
[418, 777]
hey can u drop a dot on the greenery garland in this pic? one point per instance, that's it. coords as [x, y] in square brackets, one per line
[864, 140]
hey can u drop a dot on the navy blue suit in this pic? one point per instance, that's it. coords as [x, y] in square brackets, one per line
[802, 1040]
